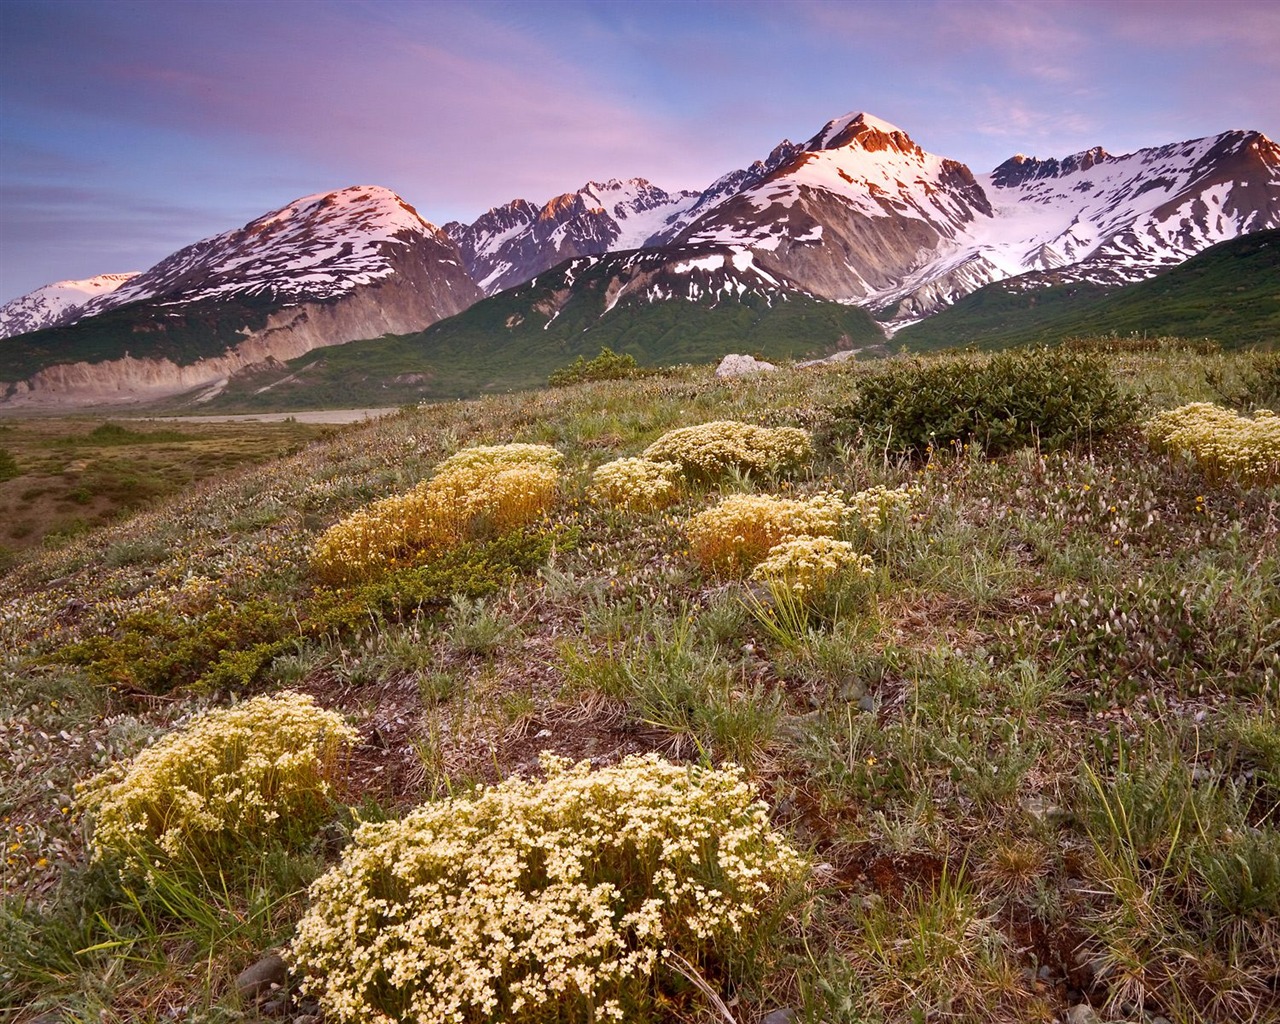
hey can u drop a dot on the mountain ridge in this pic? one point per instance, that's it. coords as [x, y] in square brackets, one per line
[859, 214]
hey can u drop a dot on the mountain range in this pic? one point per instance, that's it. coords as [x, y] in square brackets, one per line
[858, 218]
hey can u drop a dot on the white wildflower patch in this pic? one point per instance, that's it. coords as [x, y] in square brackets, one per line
[1223, 442]
[735, 534]
[808, 566]
[711, 449]
[506, 902]
[637, 485]
[232, 774]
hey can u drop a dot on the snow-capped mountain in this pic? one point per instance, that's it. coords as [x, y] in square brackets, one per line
[325, 269]
[55, 303]
[850, 215]
[319, 248]
[864, 215]
[859, 214]
[513, 243]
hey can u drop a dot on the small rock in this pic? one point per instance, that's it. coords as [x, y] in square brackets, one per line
[276, 1006]
[852, 689]
[1082, 1013]
[783, 1016]
[838, 357]
[866, 703]
[741, 366]
[261, 978]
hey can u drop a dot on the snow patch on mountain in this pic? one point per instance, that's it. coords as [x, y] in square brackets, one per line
[55, 303]
[316, 248]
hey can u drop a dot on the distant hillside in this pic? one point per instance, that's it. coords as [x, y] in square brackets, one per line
[516, 338]
[1230, 293]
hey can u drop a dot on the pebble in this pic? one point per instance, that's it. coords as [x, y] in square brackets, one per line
[1082, 1013]
[259, 979]
[783, 1016]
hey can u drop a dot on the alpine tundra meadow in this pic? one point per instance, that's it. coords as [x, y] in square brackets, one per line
[675, 698]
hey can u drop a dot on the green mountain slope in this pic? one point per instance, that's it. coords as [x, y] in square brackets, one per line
[1230, 293]
[517, 338]
[145, 329]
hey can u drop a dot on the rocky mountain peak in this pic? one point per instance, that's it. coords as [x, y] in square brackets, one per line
[863, 131]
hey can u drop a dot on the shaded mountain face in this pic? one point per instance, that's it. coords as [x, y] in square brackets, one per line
[55, 303]
[324, 270]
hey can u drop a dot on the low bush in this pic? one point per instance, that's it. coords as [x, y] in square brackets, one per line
[637, 485]
[476, 493]
[8, 465]
[808, 566]
[709, 450]
[1052, 398]
[734, 535]
[542, 900]
[608, 365]
[161, 649]
[234, 777]
[1222, 442]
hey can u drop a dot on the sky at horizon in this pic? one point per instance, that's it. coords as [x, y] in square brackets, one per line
[129, 129]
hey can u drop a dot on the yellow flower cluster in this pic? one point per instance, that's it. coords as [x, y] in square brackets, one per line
[709, 449]
[487, 488]
[510, 902]
[1222, 441]
[807, 566]
[878, 506]
[737, 533]
[245, 773]
[638, 485]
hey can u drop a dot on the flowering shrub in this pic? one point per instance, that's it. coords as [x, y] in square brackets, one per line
[735, 534]
[636, 484]
[1223, 442]
[487, 489]
[807, 566]
[878, 506]
[493, 905]
[259, 770]
[709, 449]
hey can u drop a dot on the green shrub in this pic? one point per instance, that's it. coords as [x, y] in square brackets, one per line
[608, 365]
[8, 465]
[1048, 397]
[559, 899]
[231, 778]
[159, 650]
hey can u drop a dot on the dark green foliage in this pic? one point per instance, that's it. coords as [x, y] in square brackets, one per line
[1257, 388]
[228, 646]
[143, 330]
[8, 465]
[114, 434]
[1051, 398]
[159, 650]
[608, 365]
[512, 340]
[1227, 293]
